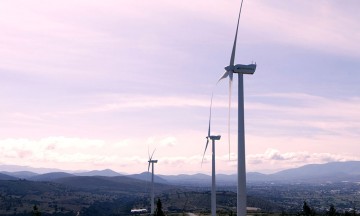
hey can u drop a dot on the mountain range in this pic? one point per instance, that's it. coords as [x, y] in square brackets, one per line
[312, 173]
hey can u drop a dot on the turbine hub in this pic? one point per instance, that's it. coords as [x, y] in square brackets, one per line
[242, 69]
[215, 137]
[229, 68]
[153, 161]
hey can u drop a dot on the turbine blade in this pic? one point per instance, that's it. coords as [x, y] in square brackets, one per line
[207, 143]
[226, 74]
[149, 167]
[234, 46]
[152, 154]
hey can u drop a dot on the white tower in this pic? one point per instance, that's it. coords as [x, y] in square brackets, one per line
[151, 161]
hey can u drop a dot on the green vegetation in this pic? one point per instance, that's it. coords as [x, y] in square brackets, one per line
[103, 196]
[36, 211]
[159, 211]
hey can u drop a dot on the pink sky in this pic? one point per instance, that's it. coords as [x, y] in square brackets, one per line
[94, 84]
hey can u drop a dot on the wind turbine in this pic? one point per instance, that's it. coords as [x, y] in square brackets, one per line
[151, 161]
[240, 69]
[213, 184]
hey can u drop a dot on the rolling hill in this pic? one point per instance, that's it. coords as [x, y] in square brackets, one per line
[50, 176]
[7, 177]
[334, 171]
[21, 174]
[106, 172]
[146, 176]
[312, 173]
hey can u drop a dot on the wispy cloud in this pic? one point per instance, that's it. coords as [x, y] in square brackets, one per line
[90, 72]
[337, 116]
[307, 24]
[76, 153]
[276, 160]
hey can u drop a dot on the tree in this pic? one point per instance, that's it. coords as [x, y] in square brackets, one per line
[159, 211]
[354, 211]
[35, 211]
[332, 210]
[306, 209]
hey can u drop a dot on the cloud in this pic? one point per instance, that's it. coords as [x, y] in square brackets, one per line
[76, 153]
[274, 158]
[56, 149]
[168, 141]
[306, 24]
[127, 102]
[123, 143]
[292, 113]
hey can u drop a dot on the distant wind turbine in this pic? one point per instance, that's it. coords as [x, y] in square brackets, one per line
[151, 161]
[240, 70]
[213, 176]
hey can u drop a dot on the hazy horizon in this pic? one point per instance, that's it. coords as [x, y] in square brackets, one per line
[44, 170]
[94, 85]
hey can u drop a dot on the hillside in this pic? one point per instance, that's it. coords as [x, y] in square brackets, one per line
[21, 174]
[106, 172]
[106, 196]
[121, 184]
[101, 195]
[313, 173]
[146, 176]
[50, 176]
[7, 177]
[334, 171]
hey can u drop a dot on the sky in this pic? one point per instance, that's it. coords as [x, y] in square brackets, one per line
[91, 84]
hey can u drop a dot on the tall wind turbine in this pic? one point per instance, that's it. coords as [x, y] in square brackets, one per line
[213, 176]
[240, 70]
[151, 161]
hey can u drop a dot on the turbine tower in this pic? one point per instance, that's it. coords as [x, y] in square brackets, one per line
[151, 161]
[213, 176]
[240, 70]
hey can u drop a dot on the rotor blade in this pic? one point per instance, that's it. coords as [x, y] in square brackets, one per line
[152, 154]
[234, 46]
[230, 89]
[149, 166]
[226, 74]
[207, 143]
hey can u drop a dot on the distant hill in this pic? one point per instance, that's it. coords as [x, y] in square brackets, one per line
[50, 176]
[146, 176]
[188, 180]
[21, 174]
[7, 177]
[313, 173]
[205, 180]
[106, 172]
[122, 184]
[333, 171]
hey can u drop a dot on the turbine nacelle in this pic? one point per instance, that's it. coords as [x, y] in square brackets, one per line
[214, 137]
[242, 69]
[153, 161]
